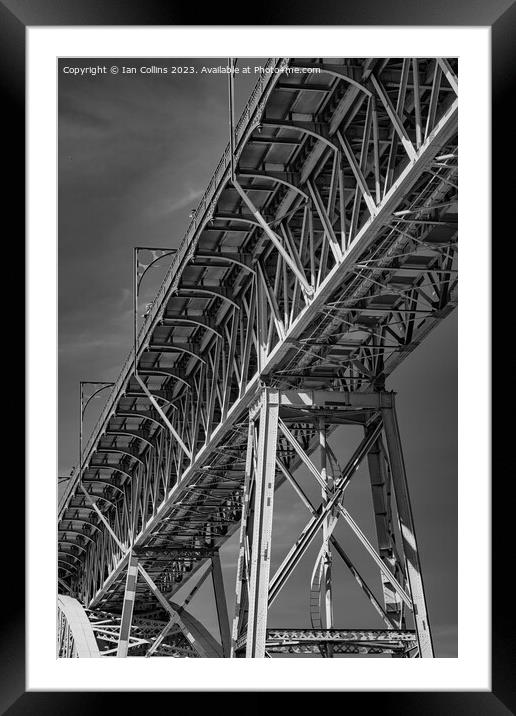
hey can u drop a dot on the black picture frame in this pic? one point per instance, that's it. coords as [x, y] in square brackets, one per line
[15, 17]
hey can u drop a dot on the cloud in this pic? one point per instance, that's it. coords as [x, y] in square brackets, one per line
[165, 206]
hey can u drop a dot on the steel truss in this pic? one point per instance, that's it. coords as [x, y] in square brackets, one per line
[396, 643]
[281, 426]
[323, 251]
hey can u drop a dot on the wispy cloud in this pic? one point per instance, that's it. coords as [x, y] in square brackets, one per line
[167, 206]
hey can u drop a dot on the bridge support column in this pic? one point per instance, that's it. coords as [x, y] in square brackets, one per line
[326, 596]
[128, 607]
[381, 484]
[220, 604]
[242, 577]
[284, 428]
[261, 461]
[408, 535]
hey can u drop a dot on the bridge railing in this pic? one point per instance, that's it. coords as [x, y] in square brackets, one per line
[265, 82]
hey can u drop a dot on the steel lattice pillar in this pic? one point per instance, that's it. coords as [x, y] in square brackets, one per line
[380, 477]
[406, 522]
[263, 461]
[256, 529]
[128, 606]
[284, 428]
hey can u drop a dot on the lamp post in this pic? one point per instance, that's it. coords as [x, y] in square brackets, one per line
[139, 271]
[231, 99]
[84, 404]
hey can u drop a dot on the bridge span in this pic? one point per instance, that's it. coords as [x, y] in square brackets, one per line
[322, 253]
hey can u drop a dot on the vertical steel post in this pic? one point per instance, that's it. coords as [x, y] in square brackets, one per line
[220, 604]
[242, 585]
[262, 525]
[380, 490]
[128, 607]
[261, 324]
[406, 522]
[81, 413]
[135, 305]
[231, 81]
[326, 588]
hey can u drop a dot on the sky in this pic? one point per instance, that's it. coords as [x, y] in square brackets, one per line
[136, 152]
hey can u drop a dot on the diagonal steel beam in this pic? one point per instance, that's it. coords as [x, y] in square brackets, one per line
[102, 518]
[220, 604]
[394, 117]
[159, 639]
[197, 586]
[163, 416]
[374, 554]
[449, 74]
[273, 303]
[325, 219]
[301, 453]
[357, 171]
[274, 238]
[338, 548]
[173, 612]
[363, 584]
[307, 535]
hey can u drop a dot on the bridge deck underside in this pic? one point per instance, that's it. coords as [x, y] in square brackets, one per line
[353, 170]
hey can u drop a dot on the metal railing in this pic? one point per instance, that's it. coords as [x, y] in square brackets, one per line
[259, 94]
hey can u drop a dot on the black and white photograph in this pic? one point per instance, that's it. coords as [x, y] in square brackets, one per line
[258, 422]
[257, 369]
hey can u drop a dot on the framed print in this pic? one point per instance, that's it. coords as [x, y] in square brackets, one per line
[249, 266]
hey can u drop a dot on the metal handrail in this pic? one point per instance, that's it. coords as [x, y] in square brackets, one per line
[261, 90]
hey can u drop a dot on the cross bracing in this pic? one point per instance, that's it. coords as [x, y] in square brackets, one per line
[315, 268]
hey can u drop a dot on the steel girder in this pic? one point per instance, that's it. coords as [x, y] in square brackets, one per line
[344, 209]
[353, 642]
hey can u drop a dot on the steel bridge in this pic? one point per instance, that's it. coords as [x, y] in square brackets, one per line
[322, 253]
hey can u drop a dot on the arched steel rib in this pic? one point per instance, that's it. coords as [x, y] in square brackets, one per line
[304, 127]
[68, 564]
[101, 482]
[82, 521]
[224, 257]
[76, 532]
[168, 348]
[274, 178]
[172, 320]
[241, 218]
[141, 416]
[129, 434]
[208, 291]
[63, 542]
[335, 71]
[165, 372]
[107, 467]
[65, 569]
[97, 497]
[115, 450]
